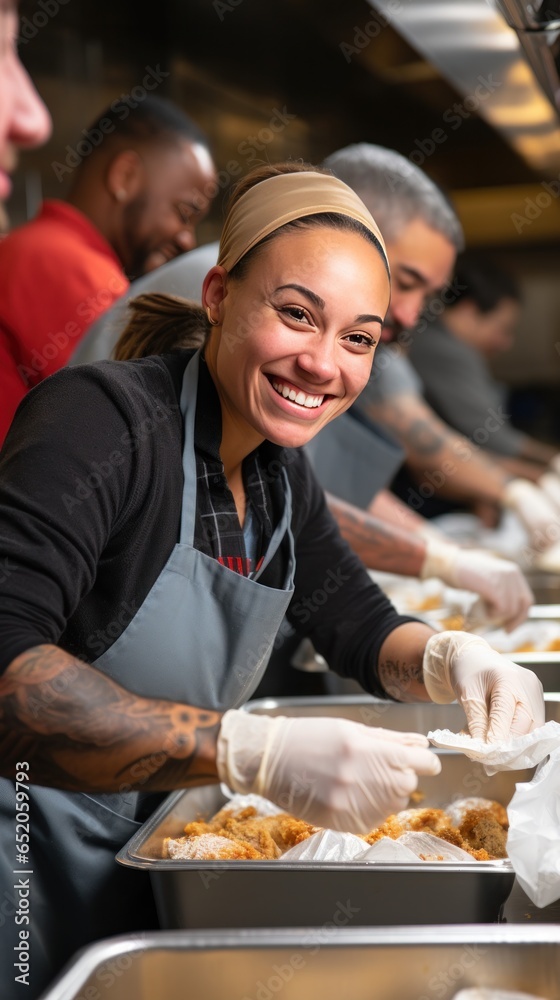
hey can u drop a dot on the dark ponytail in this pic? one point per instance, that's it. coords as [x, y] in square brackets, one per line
[160, 324]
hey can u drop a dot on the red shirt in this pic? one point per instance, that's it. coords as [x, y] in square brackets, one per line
[58, 274]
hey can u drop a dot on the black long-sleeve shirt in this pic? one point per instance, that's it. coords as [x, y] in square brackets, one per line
[91, 485]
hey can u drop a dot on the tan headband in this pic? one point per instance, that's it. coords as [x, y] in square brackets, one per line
[280, 199]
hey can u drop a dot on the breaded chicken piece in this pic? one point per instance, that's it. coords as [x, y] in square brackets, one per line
[209, 846]
[482, 831]
[271, 836]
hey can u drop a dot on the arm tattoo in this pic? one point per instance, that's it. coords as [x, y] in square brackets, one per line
[414, 426]
[399, 678]
[425, 439]
[84, 732]
[378, 544]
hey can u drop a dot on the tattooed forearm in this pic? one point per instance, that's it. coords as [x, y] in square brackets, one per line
[379, 545]
[400, 662]
[400, 678]
[462, 469]
[84, 732]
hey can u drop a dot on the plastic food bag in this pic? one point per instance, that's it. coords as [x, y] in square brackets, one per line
[388, 851]
[533, 843]
[236, 801]
[327, 845]
[428, 847]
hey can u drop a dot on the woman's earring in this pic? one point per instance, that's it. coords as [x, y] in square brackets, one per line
[213, 322]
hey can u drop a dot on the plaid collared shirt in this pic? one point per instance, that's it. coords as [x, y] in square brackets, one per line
[218, 532]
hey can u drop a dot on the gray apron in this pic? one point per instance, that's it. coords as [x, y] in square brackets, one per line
[353, 458]
[203, 636]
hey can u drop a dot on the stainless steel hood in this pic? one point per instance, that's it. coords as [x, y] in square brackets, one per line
[501, 57]
[537, 26]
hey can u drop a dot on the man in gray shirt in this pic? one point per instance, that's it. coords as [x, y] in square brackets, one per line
[450, 353]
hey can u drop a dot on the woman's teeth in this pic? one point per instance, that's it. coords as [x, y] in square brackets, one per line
[297, 397]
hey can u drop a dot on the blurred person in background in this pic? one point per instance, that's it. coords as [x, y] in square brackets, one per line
[423, 236]
[135, 198]
[451, 354]
[24, 119]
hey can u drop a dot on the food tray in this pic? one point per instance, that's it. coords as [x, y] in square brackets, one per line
[319, 963]
[418, 717]
[210, 894]
[545, 586]
[547, 668]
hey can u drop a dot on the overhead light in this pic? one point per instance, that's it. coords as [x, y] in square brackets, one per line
[475, 48]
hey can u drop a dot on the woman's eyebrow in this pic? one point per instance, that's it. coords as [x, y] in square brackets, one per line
[312, 296]
[366, 318]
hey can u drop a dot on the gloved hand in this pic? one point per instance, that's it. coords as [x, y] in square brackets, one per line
[499, 582]
[549, 483]
[548, 561]
[554, 464]
[332, 772]
[500, 698]
[540, 516]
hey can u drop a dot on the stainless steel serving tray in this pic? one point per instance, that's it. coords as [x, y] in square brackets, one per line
[545, 665]
[210, 894]
[545, 586]
[418, 717]
[319, 963]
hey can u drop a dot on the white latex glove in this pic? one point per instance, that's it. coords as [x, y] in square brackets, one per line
[548, 561]
[332, 772]
[549, 483]
[537, 512]
[499, 698]
[501, 584]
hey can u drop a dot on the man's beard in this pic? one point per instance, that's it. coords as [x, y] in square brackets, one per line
[137, 249]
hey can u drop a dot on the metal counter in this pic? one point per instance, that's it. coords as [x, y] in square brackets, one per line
[320, 963]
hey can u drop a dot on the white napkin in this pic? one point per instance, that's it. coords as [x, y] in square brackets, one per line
[516, 753]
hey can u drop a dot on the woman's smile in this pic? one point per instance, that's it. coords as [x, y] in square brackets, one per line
[301, 397]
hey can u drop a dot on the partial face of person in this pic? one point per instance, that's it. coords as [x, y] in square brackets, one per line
[24, 119]
[421, 261]
[493, 332]
[297, 334]
[177, 191]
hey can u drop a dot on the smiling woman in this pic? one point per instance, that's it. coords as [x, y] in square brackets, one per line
[159, 519]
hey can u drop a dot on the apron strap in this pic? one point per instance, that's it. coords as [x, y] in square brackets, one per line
[189, 393]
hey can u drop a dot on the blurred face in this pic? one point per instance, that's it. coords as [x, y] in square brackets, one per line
[421, 261]
[160, 222]
[491, 332]
[24, 119]
[296, 335]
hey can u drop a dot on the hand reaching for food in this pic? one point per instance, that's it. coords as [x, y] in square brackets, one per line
[332, 772]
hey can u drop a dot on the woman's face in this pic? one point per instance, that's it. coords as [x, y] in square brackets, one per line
[297, 334]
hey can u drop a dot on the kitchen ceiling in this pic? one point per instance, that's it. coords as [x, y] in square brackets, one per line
[344, 72]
